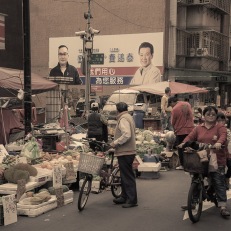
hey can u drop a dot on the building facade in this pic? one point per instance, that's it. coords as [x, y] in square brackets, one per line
[196, 37]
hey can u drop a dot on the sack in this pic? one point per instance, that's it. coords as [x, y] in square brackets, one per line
[193, 164]
[203, 155]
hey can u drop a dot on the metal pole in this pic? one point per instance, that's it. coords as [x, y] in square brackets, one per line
[27, 66]
[87, 62]
[87, 37]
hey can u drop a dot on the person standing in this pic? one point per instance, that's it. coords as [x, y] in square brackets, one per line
[147, 73]
[97, 126]
[166, 111]
[182, 122]
[125, 151]
[64, 69]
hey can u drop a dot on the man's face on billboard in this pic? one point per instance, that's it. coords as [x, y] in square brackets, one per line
[63, 56]
[145, 56]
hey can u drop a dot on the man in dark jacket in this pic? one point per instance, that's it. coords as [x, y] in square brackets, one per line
[64, 69]
[97, 126]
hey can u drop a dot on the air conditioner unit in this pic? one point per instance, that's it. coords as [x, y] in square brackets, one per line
[202, 52]
[192, 51]
[205, 51]
[199, 52]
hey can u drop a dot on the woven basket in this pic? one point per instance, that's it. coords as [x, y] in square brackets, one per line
[90, 164]
[192, 163]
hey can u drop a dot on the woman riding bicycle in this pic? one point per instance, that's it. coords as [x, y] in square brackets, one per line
[211, 132]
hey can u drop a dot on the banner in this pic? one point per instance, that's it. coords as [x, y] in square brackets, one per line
[2, 32]
[116, 57]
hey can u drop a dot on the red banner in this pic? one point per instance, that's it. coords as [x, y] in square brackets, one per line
[2, 32]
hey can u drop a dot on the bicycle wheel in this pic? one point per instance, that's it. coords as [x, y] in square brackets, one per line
[195, 202]
[84, 193]
[116, 188]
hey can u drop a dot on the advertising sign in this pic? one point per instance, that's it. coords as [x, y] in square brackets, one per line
[115, 58]
[2, 32]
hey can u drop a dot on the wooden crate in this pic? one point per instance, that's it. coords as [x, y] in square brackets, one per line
[151, 122]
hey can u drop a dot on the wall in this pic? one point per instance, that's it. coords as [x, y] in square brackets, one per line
[51, 18]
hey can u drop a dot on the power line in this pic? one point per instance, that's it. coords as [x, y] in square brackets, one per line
[123, 19]
[72, 1]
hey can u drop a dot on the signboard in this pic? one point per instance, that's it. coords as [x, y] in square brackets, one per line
[2, 32]
[115, 58]
[222, 79]
[97, 88]
[9, 209]
[97, 59]
[57, 176]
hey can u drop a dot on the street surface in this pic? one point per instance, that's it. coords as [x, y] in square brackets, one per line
[159, 210]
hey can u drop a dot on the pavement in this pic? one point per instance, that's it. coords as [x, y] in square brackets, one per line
[158, 209]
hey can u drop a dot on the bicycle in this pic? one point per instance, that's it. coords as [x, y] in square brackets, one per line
[198, 191]
[95, 165]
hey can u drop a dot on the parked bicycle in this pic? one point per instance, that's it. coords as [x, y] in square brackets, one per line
[197, 165]
[95, 165]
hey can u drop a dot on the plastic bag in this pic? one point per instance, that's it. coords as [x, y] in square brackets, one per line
[213, 166]
[31, 149]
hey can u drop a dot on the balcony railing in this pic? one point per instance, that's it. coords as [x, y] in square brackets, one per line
[209, 43]
[222, 5]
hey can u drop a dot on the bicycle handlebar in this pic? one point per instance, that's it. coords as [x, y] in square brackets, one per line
[196, 146]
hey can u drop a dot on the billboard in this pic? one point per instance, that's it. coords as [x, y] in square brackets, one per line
[2, 32]
[116, 58]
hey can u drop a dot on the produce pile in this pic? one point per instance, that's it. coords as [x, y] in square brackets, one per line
[149, 142]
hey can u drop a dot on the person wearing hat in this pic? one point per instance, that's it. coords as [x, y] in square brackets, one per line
[182, 123]
[97, 126]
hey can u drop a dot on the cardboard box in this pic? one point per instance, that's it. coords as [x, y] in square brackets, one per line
[149, 167]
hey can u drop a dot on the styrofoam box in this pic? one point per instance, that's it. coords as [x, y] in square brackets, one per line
[68, 197]
[10, 188]
[149, 167]
[43, 175]
[36, 210]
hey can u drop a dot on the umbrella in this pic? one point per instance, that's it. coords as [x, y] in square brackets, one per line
[11, 80]
[176, 88]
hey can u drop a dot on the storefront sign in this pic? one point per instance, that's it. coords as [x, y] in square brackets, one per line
[222, 79]
[97, 88]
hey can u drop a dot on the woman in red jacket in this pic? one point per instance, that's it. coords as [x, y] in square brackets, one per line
[211, 132]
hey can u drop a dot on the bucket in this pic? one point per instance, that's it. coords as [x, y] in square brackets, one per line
[138, 118]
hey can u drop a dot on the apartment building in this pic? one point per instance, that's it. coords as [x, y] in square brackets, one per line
[200, 52]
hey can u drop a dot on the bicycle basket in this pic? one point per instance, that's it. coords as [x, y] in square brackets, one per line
[90, 164]
[192, 163]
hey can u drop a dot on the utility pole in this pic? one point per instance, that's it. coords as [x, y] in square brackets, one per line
[87, 37]
[27, 66]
